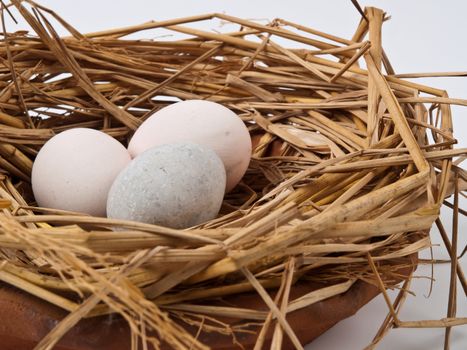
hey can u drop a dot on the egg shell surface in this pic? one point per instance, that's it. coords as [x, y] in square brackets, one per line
[175, 185]
[75, 169]
[202, 122]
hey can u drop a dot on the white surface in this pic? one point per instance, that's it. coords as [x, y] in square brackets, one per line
[422, 36]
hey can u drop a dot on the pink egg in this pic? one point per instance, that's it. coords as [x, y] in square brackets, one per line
[203, 122]
[75, 169]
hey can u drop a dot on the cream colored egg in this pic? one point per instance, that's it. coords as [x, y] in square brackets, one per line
[202, 122]
[75, 169]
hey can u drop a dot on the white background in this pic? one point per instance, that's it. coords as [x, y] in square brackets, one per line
[422, 36]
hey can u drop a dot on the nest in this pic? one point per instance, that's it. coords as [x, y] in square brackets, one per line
[349, 170]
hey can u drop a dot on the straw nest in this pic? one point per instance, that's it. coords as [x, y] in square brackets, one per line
[349, 170]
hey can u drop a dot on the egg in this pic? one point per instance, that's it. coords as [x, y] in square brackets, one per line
[75, 169]
[174, 185]
[202, 122]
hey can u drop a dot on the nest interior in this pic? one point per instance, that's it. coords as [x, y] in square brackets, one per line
[350, 166]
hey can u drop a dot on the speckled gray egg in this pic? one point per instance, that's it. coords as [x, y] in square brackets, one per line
[174, 185]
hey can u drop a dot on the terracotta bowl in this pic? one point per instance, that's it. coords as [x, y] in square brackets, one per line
[25, 320]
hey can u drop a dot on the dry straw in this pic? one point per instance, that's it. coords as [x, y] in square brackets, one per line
[350, 168]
